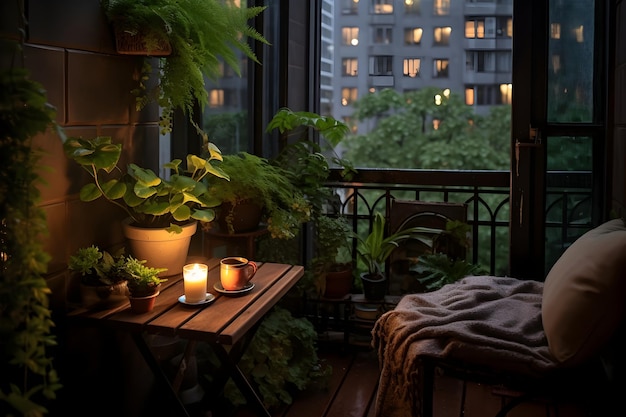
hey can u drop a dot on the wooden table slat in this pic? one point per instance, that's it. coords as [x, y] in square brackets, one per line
[246, 320]
[208, 323]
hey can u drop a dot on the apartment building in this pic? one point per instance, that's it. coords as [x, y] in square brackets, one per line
[368, 45]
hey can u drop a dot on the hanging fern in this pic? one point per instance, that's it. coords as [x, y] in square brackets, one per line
[202, 34]
[28, 377]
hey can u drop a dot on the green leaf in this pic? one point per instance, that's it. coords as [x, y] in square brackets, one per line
[114, 189]
[145, 176]
[203, 215]
[89, 192]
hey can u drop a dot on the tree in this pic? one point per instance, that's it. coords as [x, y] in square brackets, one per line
[428, 129]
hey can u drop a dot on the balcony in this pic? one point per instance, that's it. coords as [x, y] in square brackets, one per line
[486, 194]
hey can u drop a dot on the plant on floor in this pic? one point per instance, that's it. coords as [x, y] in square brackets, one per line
[254, 179]
[280, 359]
[200, 32]
[333, 251]
[376, 247]
[29, 379]
[149, 200]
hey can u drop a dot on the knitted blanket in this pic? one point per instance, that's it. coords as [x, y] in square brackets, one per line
[485, 320]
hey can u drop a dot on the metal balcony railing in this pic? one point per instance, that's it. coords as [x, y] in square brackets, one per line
[486, 194]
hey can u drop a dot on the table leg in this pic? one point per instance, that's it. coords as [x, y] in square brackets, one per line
[240, 379]
[157, 371]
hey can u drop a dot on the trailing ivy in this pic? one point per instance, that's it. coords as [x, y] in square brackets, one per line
[28, 376]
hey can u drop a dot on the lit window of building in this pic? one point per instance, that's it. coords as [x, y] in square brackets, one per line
[413, 36]
[441, 7]
[440, 68]
[506, 93]
[441, 35]
[411, 67]
[216, 98]
[348, 95]
[555, 30]
[382, 6]
[350, 35]
[350, 67]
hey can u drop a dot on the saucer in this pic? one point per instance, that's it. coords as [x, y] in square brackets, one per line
[209, 299]
[247, 288]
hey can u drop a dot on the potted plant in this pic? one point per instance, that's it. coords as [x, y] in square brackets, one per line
[160, 211]
[198, 32]
[103, 276]
[254, 181]
[332, 265]
[374, 250]
[143, 284]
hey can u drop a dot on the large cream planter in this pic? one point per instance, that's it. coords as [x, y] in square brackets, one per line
[160, 248]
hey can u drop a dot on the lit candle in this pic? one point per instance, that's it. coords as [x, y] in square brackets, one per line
[195, 276]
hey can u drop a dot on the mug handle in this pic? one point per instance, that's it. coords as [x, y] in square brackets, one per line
[253, 265]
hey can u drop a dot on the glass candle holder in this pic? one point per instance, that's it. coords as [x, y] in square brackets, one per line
[195, 278]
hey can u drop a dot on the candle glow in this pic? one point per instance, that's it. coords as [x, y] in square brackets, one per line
[195, 279]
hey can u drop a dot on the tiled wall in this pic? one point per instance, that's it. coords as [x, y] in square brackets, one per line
[69, 48]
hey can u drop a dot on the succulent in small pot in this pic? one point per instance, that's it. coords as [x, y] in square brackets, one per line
[143, 280]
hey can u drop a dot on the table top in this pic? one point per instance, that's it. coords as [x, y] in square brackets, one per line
[226, 320]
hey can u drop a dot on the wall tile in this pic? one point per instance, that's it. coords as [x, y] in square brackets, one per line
[47, 66]
[99, 88]
[78, 24]
[57, 240]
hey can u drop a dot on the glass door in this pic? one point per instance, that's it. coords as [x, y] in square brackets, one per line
[558, 140]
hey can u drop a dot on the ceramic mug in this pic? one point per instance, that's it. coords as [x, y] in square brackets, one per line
[235, 272]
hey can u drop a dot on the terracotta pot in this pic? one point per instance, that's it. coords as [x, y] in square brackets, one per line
[160, 248]
[103, 296]
[143, 304]
[338, 283]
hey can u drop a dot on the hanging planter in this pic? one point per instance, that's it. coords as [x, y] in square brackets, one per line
[136, 43]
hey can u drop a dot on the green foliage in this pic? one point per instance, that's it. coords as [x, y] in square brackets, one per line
[437, 269]
[228, 131]
[403, 135]
[28, 375]
[99, 267]
[149, 200]
[306, 159]
[201, 33]
[281, 357]
[286, 120]
[141, 278]
[374, 249]
[256, 179]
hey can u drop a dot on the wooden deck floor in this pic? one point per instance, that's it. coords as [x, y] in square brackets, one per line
[352, 391]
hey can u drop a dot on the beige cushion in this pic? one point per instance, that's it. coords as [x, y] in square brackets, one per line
[584, 293]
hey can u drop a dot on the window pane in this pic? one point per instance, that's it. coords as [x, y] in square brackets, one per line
[570, 78]
[568, 197]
